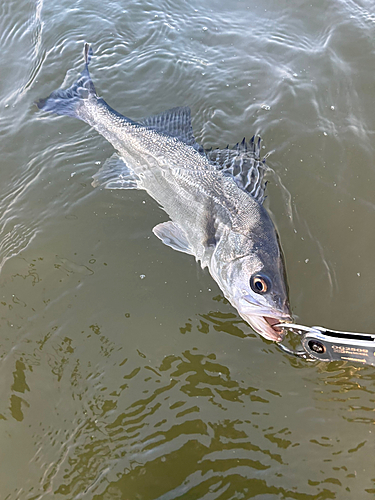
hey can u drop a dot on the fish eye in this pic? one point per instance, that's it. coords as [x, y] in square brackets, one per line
[259, 284]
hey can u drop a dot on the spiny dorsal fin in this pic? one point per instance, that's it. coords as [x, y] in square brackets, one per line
[244, 164]
[175, 122]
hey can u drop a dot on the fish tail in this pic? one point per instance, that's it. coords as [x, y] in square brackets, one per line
[69, 101]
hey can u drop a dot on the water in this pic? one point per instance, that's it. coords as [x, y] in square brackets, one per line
[124, 374]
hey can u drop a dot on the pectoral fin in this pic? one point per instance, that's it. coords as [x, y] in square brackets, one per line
[115, 174]
[173, 236]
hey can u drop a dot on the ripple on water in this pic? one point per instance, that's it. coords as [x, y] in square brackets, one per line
[100, 399]
[186, 426]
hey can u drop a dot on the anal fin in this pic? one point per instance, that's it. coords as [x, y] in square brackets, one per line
[115, 174]
[173, 236]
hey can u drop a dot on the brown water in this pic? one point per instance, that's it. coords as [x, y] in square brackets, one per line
[124, 374]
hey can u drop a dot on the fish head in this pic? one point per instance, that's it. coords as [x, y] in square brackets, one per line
[253, 279]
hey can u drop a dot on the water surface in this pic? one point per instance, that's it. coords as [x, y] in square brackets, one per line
[124, 374]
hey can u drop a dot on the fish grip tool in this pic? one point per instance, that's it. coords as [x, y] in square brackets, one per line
[319, 343]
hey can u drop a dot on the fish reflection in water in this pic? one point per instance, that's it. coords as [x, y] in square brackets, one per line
[213, 198]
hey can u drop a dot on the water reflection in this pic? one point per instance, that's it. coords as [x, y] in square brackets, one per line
[145, 430]
[117, 420]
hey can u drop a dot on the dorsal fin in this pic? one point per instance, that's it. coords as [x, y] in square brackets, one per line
[243, 162]
[175, 122]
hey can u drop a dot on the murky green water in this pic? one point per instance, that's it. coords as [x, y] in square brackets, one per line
[123, 372]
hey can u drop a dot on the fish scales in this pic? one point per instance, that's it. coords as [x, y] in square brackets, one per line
[213, 215]
[147, 151]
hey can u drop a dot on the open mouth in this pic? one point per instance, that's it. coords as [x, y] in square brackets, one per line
[266, 321]
[275, 321]
[265, 326]
[275, 333]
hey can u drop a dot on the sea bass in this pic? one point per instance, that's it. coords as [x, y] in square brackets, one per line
[213, 198]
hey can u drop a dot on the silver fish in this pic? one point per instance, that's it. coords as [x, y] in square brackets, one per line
[213, 198]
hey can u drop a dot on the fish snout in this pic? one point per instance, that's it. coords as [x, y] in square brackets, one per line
[282, 304]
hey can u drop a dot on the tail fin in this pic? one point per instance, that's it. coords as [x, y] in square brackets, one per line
[68, 101]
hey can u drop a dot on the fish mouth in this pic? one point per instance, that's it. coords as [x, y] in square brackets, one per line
[265, 326]
[267, 320]
[279, 331]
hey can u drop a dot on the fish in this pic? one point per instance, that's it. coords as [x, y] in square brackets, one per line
[213, 197]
